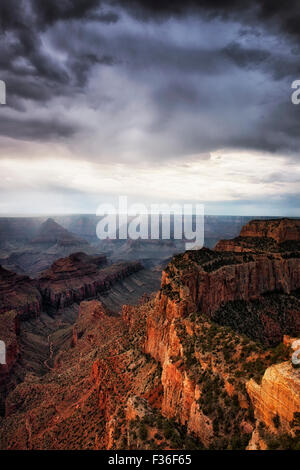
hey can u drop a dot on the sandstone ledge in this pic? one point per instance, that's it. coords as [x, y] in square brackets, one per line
[278, 394]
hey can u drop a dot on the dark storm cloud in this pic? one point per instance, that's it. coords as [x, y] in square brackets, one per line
[49, 49]
[277, 65]
[109, 17]
[21, 25]
[31, 72]
[245, 57]
[49, 12]
[36, 129]
[275, 13]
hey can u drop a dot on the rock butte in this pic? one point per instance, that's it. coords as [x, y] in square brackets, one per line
[51, 232]
[78, 277]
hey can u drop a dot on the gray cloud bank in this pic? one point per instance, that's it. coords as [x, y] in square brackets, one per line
[142, 82]
[215, 74]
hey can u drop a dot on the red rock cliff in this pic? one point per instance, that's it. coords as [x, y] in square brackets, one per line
[280, 230]
[19, 293]
[265, 236]
[206, 280]
[278, 395]
[79, 277]
[200, 283]
[9, 329]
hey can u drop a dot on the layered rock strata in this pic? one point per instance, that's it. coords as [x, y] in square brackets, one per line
[19, 293]
[277, 398]
[79, 277]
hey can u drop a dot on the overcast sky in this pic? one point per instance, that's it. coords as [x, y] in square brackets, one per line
[188, 102]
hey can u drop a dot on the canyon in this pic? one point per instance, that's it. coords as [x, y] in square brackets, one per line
[202, 363]
[78, 277]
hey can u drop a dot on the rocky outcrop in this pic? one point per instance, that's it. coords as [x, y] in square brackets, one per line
[256, 442]
[277, 398]
[232, 246]
[278, 235]
[205, 280]
[202, 283]
[180, 400]
[165, 372]
[174, 340]
[19, 299]
[79, 277]
[82, 402]
[9, 329]
[19, 293]
[280, 230]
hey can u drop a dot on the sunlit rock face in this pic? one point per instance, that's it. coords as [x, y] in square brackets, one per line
[277, 395]
[280, 235]
[281, 230]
